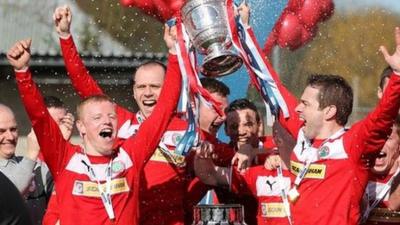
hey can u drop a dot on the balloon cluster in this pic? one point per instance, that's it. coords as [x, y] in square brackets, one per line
[163, 10]
[298, 23]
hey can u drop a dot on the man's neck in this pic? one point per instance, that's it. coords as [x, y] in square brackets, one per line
[328, 130]
[394, 168]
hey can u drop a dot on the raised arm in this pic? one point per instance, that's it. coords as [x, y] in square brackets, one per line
[293, 123]
[373, 131]
[153, 128]
[81, 79]
[51, 141]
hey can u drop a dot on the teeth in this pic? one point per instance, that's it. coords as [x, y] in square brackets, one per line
[106, 132]
[149, 102]
[382, 154]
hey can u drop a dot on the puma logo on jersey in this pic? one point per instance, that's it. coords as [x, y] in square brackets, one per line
[270, 184]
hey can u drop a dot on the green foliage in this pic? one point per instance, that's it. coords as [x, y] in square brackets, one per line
[346, 45]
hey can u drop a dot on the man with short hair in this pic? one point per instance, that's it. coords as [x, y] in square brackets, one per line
[209, 120]
[164, 175]
[98, 182]
[18, 169]
[383, 189]
[330, 178]
[254, 188]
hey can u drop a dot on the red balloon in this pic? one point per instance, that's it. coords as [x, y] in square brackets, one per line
[327, 8]
[290, 31]
[310, 13]
[163, 10]
[294, 5]
[307, 35]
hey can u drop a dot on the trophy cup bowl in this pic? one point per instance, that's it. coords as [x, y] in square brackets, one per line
[232, 214]
[206, 24]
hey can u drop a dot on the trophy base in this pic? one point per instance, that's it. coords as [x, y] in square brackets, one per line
[220, 62]
[380, 216]
[218, 215]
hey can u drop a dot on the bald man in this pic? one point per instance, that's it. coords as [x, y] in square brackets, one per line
[18, 169]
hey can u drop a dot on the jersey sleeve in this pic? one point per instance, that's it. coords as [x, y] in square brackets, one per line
[50, 139]
[81, 80]
[143, 144]
[371, 133]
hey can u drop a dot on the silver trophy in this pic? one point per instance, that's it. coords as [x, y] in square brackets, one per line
[218, 215]
[207, 25]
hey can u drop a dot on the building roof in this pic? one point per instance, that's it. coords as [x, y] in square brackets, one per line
[33, 19]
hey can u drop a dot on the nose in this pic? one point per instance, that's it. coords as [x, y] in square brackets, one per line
[299, 108]
[148, 91]
[107, 120]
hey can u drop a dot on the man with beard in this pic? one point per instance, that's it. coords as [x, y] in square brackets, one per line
[98, 182]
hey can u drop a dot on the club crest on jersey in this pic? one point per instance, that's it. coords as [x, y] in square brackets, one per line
[176, 138]
[117, 167]
[323, 151]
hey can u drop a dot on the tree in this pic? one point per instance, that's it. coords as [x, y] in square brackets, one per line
[347, 45]
[129, 26]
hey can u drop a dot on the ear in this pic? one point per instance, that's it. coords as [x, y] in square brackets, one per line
[379, 92]
[330, 112]
[81, 128]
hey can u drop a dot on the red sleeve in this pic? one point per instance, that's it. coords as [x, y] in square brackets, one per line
[371, 133]
[224, 154]
[80, 77]
[51, 142]
[52, 214]
[150, 132]
[81, 80]
[244, 183]
[293, 123]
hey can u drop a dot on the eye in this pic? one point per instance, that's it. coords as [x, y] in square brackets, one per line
[155, 86]
[249, 124]
[142, 86]
[13, 129]
[234, 127]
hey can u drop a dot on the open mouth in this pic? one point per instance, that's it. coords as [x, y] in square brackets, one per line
[381, 155]
[106, 133]
[149, 103]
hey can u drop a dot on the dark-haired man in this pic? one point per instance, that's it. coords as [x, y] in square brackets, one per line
[327, 154]
[257, 189]
[329, 175]
[383, 189]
